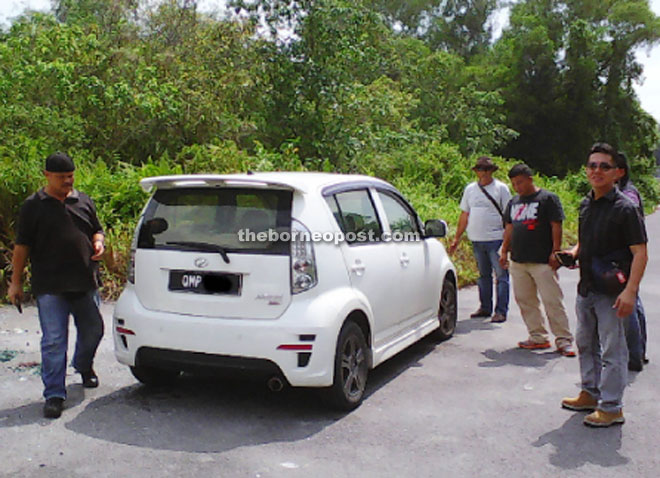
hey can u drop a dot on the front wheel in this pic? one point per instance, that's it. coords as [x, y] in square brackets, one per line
[351, 369]
[448, 310]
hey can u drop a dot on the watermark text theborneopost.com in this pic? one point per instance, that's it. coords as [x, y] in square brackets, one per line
[272, 235]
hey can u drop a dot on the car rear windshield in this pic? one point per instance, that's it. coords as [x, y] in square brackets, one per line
[233, 219]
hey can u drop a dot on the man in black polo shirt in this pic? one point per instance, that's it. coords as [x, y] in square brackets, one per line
[611, 233]
[59, 232]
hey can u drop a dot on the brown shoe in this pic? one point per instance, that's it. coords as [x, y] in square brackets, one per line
[498, 318]
[479, 313]
[599, 418]
[583, 402]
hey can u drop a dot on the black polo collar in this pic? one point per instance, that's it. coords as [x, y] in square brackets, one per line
[610, 196]
[74, 196]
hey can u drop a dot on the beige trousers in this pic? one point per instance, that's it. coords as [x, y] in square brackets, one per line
[529, 281]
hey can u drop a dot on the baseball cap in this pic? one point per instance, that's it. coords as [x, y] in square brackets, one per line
[59, 163]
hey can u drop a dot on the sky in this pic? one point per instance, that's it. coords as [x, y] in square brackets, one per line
[648, 91]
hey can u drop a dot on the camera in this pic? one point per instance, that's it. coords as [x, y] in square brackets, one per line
[566, 259]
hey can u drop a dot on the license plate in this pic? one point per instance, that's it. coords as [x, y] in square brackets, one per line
[205, 282]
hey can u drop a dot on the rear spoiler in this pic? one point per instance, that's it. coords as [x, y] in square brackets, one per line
[211, 180]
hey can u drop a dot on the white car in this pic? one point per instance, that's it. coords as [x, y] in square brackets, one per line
[305, 279]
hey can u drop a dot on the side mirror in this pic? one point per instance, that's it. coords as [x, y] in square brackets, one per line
[435, 228]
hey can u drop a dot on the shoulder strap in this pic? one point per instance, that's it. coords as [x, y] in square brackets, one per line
[497, 206]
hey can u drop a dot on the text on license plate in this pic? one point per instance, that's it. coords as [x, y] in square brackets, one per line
[205, 282]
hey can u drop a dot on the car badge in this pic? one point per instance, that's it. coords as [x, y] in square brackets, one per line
[273, 299]
[201, 262]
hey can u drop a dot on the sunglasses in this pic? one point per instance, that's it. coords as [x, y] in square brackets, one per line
[482, 168]
[594, 165]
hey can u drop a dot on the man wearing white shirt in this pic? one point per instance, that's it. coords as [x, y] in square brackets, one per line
[482, 206]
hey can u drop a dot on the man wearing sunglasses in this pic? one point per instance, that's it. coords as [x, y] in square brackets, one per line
[482, 206]
[610, 226]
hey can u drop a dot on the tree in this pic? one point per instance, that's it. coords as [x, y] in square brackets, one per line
[567, 69]
[458, 26]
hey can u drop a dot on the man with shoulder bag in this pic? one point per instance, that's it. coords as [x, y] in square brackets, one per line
[482, 206]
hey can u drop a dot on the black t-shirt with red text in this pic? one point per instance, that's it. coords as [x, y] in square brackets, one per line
[532, 233]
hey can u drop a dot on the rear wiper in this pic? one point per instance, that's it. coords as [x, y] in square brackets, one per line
[202, 246]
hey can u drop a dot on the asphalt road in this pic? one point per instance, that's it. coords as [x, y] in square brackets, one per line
[471, 406]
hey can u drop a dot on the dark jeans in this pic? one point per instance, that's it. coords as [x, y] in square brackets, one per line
[636, 334]
[54, 311]
[485, 252]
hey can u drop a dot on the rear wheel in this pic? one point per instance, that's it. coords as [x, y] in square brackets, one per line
[448, 311]
[351, 369]
[154, 376]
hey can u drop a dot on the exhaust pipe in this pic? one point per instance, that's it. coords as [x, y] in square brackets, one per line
[275, 384]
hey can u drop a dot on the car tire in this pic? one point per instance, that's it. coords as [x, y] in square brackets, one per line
[154, 376]
[448, 310]
[351, 369]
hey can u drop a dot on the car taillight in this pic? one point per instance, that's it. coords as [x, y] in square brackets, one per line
[130, 275]
[303, 263]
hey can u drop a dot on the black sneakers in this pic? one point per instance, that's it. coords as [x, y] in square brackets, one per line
[53, 407]
[89, 379]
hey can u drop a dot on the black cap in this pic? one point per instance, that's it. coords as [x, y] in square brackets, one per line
[59, 163]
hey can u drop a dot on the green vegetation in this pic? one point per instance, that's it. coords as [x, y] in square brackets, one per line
[408, 91]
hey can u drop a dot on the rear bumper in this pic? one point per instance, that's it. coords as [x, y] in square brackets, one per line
[201, 363]
[251, 346]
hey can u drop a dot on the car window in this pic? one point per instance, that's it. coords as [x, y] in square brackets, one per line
[356, 216]
[399, 216]
[231, 218]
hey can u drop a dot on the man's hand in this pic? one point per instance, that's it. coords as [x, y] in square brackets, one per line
[553, 262]
[18, 262]
[453, 246]
[504, 260]
[99, 249]
[625, 303]
[15, 293]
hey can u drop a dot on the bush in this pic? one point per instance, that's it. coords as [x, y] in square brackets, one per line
[432, 175]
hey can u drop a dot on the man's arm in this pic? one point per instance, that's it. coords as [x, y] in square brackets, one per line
[460, 229]
[506, 246]
[557, 232]
[18, 263]
[626, 300]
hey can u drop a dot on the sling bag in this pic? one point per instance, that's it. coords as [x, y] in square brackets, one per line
[497, 206]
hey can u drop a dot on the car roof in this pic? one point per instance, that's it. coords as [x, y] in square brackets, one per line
[301, 181]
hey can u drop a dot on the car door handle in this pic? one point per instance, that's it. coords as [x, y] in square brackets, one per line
[405, 260]
[358, 268]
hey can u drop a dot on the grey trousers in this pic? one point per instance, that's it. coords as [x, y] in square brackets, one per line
[603, 353]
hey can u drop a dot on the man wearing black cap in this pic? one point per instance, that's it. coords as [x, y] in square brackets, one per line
[59, 232]
[482, 206]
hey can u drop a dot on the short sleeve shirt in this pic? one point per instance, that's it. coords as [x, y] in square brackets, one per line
[531, 217]
[484, 220]
[59, 235]
[609, 224]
